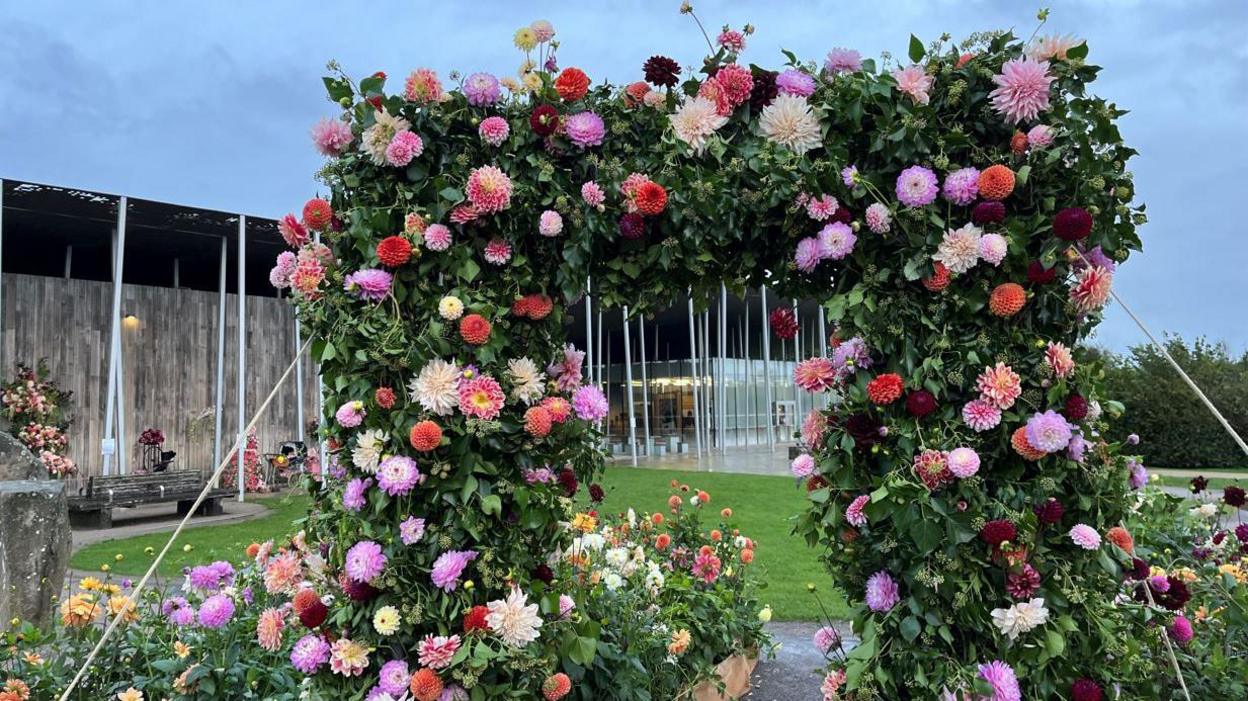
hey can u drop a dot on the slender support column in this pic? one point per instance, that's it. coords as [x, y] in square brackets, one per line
[693, 374]
[723, 368]
[750, 407]
[605, 422]
[771, 429]
[110, 400]
[645, 386]
[218, 389]
[707, 385]
[298, 382]
[242, 353]
[599, 355]
[177, 273]
[823, 344]
[628, 392]
[797, 358]
[589, 331]
[320, 407]
[69, 262]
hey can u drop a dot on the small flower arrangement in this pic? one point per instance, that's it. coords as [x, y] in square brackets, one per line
[36, 407]
[151, 436]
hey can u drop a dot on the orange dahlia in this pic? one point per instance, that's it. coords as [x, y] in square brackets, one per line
[1007, 299]
[540, 306]
[425, 436]
[1122, 538]
[317, 214]
[996, 182]
[885, 389]
[938, 280]
[426, 685]
[650, 198]
[556, 686]
[537, 422]
[572, 84]
[474, 329]
[1022, 447]
[394, 251]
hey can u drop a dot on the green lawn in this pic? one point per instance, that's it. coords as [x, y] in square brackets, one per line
[1215, 483]
[762, 507]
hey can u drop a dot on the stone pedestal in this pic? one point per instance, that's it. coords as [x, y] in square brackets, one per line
[34, 536]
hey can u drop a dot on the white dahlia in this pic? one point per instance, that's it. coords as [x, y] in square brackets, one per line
[695, 121]
[790, 122]
[436, 388]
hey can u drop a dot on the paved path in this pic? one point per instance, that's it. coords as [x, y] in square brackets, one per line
[796, 671]
[754, 460]
[1210, 474]
[157, 518]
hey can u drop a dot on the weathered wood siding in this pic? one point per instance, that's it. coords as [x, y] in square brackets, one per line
[169, 362]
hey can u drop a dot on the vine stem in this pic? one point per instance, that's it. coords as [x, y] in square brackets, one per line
[706, 36]
[1165, 637]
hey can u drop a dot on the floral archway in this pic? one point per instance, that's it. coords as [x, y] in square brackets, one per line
[960, 213]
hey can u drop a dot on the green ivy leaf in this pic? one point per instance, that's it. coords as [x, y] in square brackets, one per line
[917, 52]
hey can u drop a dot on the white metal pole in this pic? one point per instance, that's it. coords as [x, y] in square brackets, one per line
[645, 388]
[320, 406]
[123, 457]
[722, 402]
[69, 262]
[771, 429]
[693, 375]
[749, 371]
[823, 349]
[219, 386]
[706, 384]
[241, 449]
[110, 400]
[298, 383]
[628, 394]
[589, 331]
[797, 358]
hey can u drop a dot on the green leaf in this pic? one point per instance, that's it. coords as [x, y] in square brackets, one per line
[917, 51]
[492, 505]
[910, 628]
[1078, 52]
[1054, 643]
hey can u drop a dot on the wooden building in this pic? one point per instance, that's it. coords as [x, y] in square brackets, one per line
[136, 307]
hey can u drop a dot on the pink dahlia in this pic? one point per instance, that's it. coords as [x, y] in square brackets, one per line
[826, 638]
[706, 567]
[355, 494]
[589, 403]
[813, 428]
[437, 237]
[403, 148]
[216, 611]
[1022, 91]
[992, 248]
[331, 136]
[881, 595]
[1040, 136]
[821, 208]
[999, 385]
[916, 186]
[1181, 630]
[269, 629]
[836, 240]
[795, 82]
[397, 475]
[731, 40]
[962, 186]
[592, 193]
[393, 677]
[423, 86]
[1059, 360]
[736, 82]
[585, 129]
[879, 219]
[550, 223]
[350, 414]
[279, 276]
[1091, 289]
[842, 61]
[449, 566]
[854, 512]
[809, 253]
[803, 466]
[494, 130]
[481, 89]
[370, 284]
[1023, 583]
[481, 397]
[915, 82]
[963, 462]
[1000, 676]
[436, 652]
[1085, 536]
[364, 561]
[1048, 431]
[293, 233]
[411, 530]
[498, 252]
[981, 415]
[489, 189]
[309, 653]
[815, 374]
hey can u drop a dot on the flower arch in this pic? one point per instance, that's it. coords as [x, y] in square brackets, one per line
[960, 213]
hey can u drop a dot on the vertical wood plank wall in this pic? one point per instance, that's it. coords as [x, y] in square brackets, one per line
[170, 362]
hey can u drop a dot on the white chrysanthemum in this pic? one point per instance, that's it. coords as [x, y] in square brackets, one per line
[526, 380]
[617, 557]
[513, 619]
[612, 581]
[695, 121]
[368, 448]
[959, 250]
[436, 387]
[790, 122]
[1020, 618]
[451, 308]
[377, 137]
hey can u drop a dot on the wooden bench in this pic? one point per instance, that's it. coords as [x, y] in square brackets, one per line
[93, 506]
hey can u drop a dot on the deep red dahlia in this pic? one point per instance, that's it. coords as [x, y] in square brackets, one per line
[764, 90]
[1037, 274]
[1233, 495]
[317, 213]
[309, 608]
[1024, 583]
[475, 619]
[1085, 690]
[544, 120]
[394, 251]
[864, 429]
[596, 493]
[544, 573]
[843, 215]
[998, 531]
[567, 480]
[474, 329]
[1050, 512]
[1199, 484]
[1176, 597]
[384, 396]
[988, 213]
[661, 71]
[1139, 569]
[1072, 224]
[1076, 408]
[356, 591]
[783, 322]
[885, 389]
[650, 198]
[632, 226]
[816, 482]
[920, 403]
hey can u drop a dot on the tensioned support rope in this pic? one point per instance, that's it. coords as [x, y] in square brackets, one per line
[132, 600]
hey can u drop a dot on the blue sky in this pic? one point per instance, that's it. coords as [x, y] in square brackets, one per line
[209, 103]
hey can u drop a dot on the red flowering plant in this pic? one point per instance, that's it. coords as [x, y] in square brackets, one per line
[36, 411]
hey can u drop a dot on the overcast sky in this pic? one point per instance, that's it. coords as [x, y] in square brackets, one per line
[209, 103]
